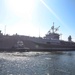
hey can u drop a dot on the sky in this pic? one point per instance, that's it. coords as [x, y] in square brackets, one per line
[35, 17]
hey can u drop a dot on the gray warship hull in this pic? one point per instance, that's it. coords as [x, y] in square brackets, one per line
[50, 42]
[9, 44]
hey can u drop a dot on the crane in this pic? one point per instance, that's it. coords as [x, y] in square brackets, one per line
[56, 29]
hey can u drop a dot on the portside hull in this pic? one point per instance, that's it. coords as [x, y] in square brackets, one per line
[7, 44]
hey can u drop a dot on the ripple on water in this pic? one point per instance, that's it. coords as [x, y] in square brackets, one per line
[36, 63]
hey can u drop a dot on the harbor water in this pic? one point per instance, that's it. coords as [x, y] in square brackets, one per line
[37, 63]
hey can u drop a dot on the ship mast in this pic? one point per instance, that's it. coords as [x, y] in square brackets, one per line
[52, 33]
[52, 28]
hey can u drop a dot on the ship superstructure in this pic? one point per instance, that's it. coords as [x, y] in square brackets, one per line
[52, 33]
[51, 37]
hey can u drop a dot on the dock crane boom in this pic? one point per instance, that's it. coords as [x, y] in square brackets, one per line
[56, 29]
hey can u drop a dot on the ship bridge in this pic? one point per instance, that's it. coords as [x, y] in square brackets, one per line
[52, 36]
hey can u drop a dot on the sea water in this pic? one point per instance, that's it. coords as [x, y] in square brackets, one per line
[37, 63]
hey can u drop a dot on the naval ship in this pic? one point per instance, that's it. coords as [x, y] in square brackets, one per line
[50, 42]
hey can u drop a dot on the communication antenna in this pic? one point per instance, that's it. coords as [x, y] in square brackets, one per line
[39, 32]
[5, 30]
[52, 28]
